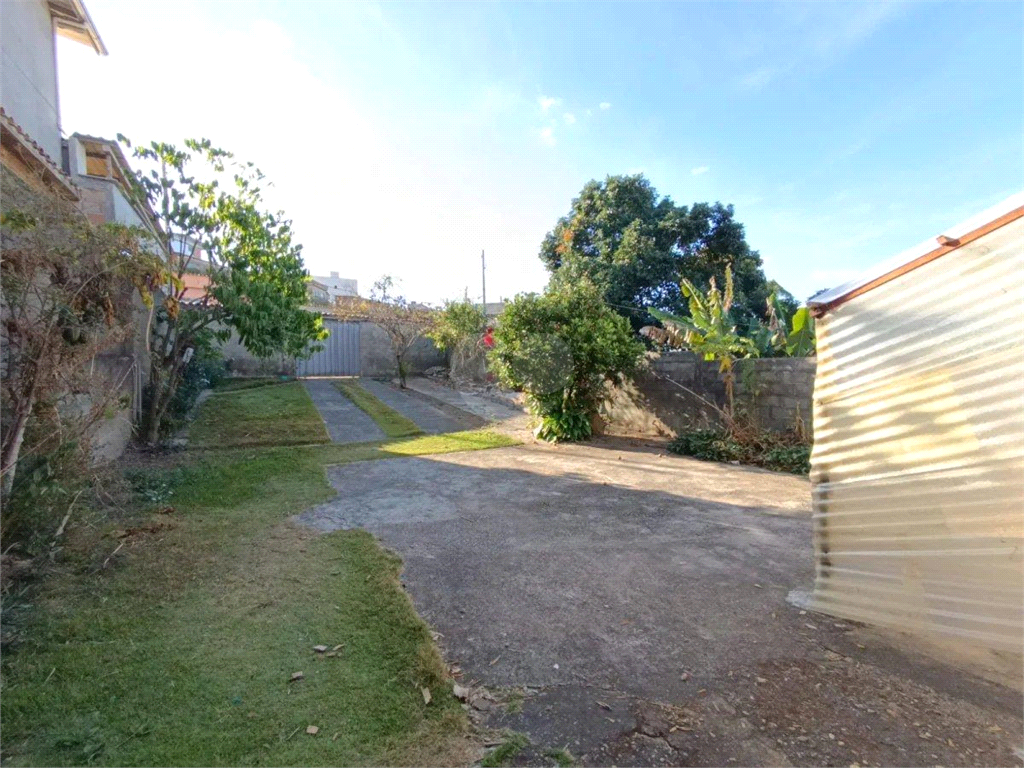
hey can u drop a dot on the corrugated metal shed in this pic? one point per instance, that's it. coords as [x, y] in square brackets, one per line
[918, 460]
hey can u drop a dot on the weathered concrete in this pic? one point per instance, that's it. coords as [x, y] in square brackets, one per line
[679, 391]
[485, 408]
[428, 418]
[345, 422]
[640, 598]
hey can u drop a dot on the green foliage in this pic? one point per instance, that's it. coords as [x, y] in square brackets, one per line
[560, 348]
[209, 204]
[205, 370]
[788, 331]
[709, 330]
[457, 324]
[506, 751]
[635, 245]
[782, 452]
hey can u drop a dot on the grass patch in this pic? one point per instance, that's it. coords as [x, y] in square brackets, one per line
[391, 422]
[180, 650]
[280, 415]
[562, 757]
[779, 452]
[237, 385]
[503, 753]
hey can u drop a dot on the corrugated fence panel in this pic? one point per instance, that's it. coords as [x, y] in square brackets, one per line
[340, 353]
[918, 460]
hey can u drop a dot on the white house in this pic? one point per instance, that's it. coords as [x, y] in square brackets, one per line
[338, 286]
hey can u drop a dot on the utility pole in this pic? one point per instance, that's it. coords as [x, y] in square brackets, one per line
[483, 279]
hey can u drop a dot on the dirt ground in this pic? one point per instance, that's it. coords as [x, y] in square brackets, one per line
[629, 607]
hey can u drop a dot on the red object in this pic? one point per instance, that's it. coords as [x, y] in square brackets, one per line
[489, 338]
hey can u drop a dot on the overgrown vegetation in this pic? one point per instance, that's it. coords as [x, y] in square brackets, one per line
[789, 452]
[257, 280]
[458, 330]
[403, 322]
[204, 370]
[392, 423]
[69, 291]
[282, 415]
[560, 349]
[173, 626]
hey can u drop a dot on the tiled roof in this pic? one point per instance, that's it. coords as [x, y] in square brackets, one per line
[41, 156]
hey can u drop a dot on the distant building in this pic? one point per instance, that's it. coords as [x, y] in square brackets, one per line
[338, 286]
[317, 293]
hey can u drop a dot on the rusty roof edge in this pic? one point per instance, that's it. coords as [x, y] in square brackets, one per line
[945, 242]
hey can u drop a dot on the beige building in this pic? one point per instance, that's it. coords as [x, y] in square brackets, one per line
[918, 460]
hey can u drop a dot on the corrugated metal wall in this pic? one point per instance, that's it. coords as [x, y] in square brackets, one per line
[918, 460]
[340, 353]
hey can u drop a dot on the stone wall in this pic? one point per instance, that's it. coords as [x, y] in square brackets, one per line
[676, 391]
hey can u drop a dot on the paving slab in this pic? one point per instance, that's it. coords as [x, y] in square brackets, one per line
[345, 422]
[484, 407]
[428, 418]
[636, 604]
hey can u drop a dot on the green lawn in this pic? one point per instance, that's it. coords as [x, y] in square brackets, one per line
[268, 415]
[236, 385]
[391, 422]
[180, 650]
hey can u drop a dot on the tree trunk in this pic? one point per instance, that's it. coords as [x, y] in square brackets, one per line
[401, 371]
[9, 459]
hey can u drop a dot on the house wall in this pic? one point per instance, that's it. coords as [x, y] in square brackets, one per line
[678, 389]
[28, 72]
[918, 462]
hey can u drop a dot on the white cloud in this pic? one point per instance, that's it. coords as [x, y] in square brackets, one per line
[605, 105]
[547, 135]
[570, 118]
[699, 170]
[547, 102]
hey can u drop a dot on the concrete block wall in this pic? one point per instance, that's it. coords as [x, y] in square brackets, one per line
[678, 391]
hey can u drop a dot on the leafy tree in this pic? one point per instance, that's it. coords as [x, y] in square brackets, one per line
[709, 331]
[211, 212]
[457, 330]
[560, 348]
[635, 246]
[403, 322]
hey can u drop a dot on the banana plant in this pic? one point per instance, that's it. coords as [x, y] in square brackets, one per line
[709, 330]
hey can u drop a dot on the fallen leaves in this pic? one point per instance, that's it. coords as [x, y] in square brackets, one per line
[427, 698]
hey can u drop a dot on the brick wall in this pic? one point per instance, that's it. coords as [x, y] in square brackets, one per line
[677, 390]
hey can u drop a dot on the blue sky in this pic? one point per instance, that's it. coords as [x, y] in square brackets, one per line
[403, 138]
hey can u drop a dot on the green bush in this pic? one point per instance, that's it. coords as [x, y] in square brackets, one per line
[780, 452]
[206, 369]
[560, 348]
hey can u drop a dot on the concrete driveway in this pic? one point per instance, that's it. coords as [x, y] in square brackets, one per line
[630, 607]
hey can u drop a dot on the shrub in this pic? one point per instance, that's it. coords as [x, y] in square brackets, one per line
[781, 452]
[206, 369]
[559, 348]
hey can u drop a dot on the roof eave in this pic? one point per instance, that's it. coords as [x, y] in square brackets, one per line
[72, 20]
[953, 238]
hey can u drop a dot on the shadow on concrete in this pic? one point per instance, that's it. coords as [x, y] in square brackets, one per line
[609, 585]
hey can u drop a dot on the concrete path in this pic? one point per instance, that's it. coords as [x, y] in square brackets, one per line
[426, 417]
[478, 405]
[638, 602]
[345, 422]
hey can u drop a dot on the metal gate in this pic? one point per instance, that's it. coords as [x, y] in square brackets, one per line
[340, 353]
